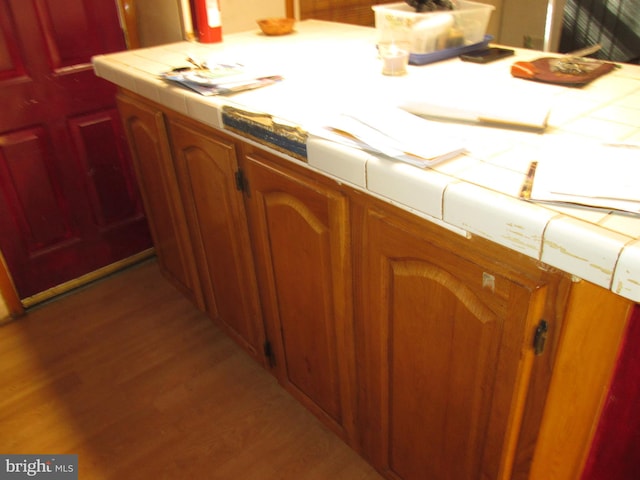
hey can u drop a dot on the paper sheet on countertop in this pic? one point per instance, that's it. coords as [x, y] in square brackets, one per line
[600, 176]
[511, 111]
[394, 133]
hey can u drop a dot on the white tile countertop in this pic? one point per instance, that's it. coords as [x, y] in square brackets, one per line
[328, 67]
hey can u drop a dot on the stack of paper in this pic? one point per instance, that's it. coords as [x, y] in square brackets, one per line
[603, 176]
[219, 79]
[394, 133]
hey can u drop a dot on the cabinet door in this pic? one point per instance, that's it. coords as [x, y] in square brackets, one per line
[146, 132]
[206, 165]
[444, 357]
[300, 229]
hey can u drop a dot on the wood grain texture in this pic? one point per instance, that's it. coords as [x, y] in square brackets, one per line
[588, 350]
[69, 203]
[299, 226]
[206, 163]
[130, 376]
[446, 361]
[129, 15]
[145, 127]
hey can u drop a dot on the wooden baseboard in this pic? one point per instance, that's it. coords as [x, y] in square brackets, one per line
[85, 279]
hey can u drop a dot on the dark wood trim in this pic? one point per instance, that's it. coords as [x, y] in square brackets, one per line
[8, 291]
[129, 22]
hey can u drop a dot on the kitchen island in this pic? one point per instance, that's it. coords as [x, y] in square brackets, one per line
[414, 275]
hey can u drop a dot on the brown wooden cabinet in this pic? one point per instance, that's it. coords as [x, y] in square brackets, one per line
[206, 165]
[445, 352]
[417, 345]
[300, 227]
[147, 136]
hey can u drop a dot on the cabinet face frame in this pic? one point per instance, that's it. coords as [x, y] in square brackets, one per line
[308, 311]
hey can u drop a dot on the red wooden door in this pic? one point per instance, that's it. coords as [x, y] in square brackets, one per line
[68, 200]
[615, 451]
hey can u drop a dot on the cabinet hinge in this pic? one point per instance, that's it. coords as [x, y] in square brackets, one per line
[241, 182]
[540, 337]
[268, 353]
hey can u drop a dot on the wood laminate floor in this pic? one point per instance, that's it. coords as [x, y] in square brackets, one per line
[131, 377]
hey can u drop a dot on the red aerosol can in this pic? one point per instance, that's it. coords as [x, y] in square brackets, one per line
[208, 21]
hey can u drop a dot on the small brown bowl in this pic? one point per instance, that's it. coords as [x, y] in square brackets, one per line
[276, 26]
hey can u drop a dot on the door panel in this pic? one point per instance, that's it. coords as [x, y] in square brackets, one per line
[70, 202]
[438, 389]
[96, 138]
[74, 30]
[68, 38]
[10, 62]
[301, 229]
[33, 186]
[146, 129]
[306, 310]
[445, 359]
[206, 165]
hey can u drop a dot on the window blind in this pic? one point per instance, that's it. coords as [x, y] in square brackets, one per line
[614, 24]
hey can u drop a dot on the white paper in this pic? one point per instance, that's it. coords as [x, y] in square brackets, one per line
[504, 105]
[602, 176]
[394, 133]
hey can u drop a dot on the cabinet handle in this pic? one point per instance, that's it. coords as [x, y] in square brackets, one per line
[540, 337]
[242, 184]
[268, 352]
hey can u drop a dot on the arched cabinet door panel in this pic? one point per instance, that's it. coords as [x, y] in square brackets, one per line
[206, 165]
[445, 355]
[300, 227]
[146, 132]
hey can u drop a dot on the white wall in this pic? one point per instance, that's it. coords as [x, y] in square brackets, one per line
[161, 21]
[523, 18]
[511, 22]
[239, 16]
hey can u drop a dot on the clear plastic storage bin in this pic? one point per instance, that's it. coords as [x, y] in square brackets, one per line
[432, 31]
